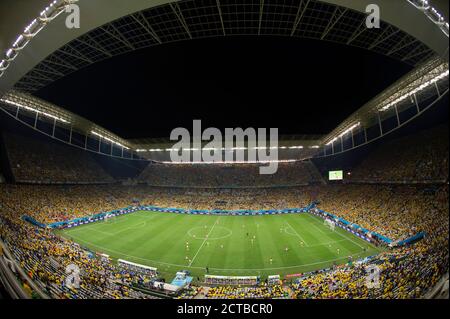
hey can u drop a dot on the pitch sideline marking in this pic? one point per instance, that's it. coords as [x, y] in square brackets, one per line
[204, 241]
[216, 269]
[219, 269]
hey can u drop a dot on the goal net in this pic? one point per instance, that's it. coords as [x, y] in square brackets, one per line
[329, 223]
[109, 218]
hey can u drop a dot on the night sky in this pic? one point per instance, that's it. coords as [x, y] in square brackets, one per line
[299, 86]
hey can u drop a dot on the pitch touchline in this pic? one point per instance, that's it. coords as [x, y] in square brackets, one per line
[218, 269]
[204, 241]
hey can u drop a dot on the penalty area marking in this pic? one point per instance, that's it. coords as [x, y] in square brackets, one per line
[150, 262]
[286, 230]
[298, 235]
[348, 238]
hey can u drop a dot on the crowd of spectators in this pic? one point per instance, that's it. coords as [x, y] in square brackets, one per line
[259, 292]
[45, 256]
[36, 161]
[405, 272]
[56, 203]
[394, 211]
[421, 157]
[230, 175]
[374, 207]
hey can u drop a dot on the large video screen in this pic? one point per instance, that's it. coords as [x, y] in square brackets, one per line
[335, 175]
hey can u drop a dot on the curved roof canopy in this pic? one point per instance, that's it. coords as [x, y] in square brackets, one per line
[111, 27]
[410, 31]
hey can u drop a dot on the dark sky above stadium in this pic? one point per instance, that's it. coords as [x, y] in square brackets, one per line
[299, 86]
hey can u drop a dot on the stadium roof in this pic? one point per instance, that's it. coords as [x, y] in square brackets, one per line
[122, 27]
[412, 31]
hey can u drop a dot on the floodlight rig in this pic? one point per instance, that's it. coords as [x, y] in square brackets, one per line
[53, 10]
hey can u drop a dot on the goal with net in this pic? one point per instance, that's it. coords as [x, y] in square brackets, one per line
[329, 223]
[109, 218]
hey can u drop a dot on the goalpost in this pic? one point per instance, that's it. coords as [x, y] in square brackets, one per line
[109, 218]
[329, 223]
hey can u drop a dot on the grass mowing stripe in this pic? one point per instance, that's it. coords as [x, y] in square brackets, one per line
[203, 243]
[344, 235]
[298, 235]
[160, 242]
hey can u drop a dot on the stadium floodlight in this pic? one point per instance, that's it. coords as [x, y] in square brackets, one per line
[240, 148]
[109, 140]
[53, 10]
[314, 146]
[434, 15]
[228, 162]
[222, 148]
[351, 128]
[54, 117]
[332, 141]
[417, 89]
[2, 64]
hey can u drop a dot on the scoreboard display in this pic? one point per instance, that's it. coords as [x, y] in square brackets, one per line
[335, 175]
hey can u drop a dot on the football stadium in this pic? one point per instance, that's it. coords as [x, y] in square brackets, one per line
[340, 191]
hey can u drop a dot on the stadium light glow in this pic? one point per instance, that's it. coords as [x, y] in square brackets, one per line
[109, 140]
[221, 148]
[414, 91]
[434, 15]
[228, 162]
[53, 10]
[351, 128]
[332, 141]
[295, 147]
[57, 118]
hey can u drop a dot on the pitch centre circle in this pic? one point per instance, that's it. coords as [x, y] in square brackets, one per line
[202, 233]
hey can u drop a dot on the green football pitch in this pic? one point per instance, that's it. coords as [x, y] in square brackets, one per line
[227, 245]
